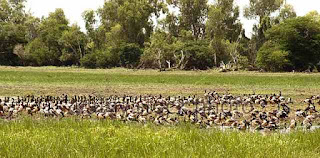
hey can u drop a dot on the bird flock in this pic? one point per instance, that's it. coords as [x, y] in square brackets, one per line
[252, 112]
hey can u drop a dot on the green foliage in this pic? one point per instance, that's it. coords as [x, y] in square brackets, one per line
[133, 17]
[12, 30]
[158, 51]
[301, 38]
[39, 54]
[51, 30]
[243, 62]
[287, 12]
[201, 35]
[130, 55]
[272, 58]
[223, 21]
[53, 42]
[262, 8]
[223, 51]
[193, 14]
[74, 42]
[107, 58]
[96, 36]
[89, 61]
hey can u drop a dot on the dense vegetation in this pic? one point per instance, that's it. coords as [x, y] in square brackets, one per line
[150, 34]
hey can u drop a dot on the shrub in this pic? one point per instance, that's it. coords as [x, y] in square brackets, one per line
[243, 62]
[39, 54]
[89, 61]
[107, 58]
[130, 55]
[271, 57]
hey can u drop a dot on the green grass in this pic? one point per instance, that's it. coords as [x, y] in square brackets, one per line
[71, 137]
[74, 138]
[56, 81]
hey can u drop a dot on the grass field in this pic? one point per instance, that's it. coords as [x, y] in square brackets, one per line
[74, 138]
[57, 81]
[71, 137]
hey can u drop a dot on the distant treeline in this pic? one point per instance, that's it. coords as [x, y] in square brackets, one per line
[149, 34]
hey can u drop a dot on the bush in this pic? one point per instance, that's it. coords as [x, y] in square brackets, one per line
[198, 54]
[89, 61]
[271, 57]
[101, 58]
[243, 62]
[39, 54]
[9, 59]
[130, 55]
[148, 59]
[107, 59]
[69, 59]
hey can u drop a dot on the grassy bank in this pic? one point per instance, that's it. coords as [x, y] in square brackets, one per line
[74, 138]
[55, 81]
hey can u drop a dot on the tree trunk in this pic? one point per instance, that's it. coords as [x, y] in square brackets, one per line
[169, 64]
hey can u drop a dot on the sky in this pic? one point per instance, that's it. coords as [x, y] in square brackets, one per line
[74, 8]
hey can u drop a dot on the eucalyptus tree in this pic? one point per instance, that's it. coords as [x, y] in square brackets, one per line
[132, 16]
[192, 16]
[223, 30]
[261, 11]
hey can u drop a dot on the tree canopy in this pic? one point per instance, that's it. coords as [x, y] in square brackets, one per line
[163, 34]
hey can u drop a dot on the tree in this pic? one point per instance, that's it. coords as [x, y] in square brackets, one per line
[223, 21]
[223, 27]
[12, 30]
[134, 18]
[271, 57]
[193, 14]
[96, 35]
[32, 27]
[314, 15]
[158, 51]
[300, 37]
[74, 42]
[170, 24]
[51, 31]
[38, 53]
[287, 12]
[261, 10]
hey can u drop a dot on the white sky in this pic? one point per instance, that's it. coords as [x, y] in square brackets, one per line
[74, 8]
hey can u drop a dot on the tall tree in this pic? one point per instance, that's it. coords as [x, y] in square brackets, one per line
[223, 27]
[261, 10]
[95, 34]
[192, 17]
[223, 20]
[74, 42]
[134, 18]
